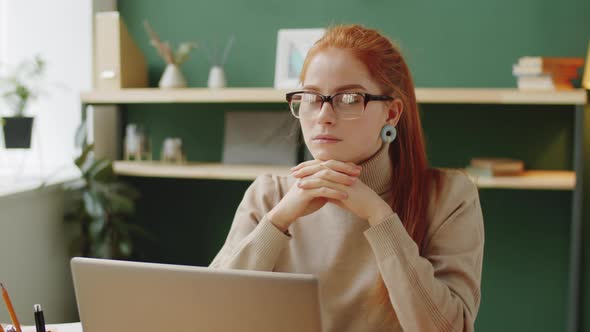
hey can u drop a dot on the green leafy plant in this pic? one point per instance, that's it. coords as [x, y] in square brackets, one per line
[102, 206]
[22, 85]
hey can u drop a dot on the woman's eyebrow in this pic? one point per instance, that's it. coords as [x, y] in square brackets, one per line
[350, 87]
[340, 88]
[311, 87]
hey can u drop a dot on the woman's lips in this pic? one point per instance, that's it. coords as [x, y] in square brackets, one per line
[322, 139]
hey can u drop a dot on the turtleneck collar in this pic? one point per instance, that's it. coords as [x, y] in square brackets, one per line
[376, 172]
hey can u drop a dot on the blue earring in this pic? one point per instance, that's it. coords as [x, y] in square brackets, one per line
[388, 133]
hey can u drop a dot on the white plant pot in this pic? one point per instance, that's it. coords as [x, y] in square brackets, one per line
[172, 78]
[216, 78]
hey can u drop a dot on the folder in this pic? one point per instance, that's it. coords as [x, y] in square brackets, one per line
[119, 62]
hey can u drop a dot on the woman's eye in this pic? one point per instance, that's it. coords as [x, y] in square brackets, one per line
[350, 98]
[310, 98]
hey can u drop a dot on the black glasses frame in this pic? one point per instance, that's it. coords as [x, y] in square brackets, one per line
[367, 97]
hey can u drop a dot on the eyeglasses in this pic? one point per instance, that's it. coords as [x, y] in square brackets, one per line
[347, 105]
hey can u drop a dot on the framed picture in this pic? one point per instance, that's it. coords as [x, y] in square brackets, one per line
[292, 47]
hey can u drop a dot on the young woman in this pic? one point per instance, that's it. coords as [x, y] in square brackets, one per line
[396, 245]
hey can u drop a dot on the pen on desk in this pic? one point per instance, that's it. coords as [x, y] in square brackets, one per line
[39, 318]
[10, 309]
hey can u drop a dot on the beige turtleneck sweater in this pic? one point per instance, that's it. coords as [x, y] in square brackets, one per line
[438, 291]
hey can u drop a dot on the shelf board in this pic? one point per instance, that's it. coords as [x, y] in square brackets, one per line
[500, 96]
[214, 171]
[185, 95]
[270, 95]
[541, 180]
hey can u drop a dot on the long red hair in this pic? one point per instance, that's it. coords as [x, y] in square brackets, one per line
[414, 180]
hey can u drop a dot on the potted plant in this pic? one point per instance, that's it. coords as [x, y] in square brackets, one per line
[101, 206]
[172, 76]
[17, 90]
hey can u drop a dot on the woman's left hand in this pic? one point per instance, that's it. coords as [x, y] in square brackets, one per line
[362, 200]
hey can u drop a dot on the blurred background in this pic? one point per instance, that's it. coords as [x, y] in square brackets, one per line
[126, 97]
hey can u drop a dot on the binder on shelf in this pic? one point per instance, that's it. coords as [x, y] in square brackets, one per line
[118, 62]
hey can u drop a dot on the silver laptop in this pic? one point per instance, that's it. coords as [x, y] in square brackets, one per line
[122, 296]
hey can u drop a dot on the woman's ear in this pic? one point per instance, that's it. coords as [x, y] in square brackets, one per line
[396, 108]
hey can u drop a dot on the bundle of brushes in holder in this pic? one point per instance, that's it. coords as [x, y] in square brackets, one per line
[216, 63]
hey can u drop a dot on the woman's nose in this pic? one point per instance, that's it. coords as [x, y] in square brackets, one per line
[327, 114]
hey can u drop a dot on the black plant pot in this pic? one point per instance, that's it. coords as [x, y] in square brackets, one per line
[17, 132]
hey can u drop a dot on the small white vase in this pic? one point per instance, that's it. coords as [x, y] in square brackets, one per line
[216, 78]
[172, 78]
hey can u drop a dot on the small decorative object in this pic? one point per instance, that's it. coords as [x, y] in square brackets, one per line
[17, 90]
[137, 145]
[172, 77]
[172, 150]
[216, 73]
[216, 78]
[292, 47]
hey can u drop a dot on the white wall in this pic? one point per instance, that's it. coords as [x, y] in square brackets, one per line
[60, 31]
[34, 257]
[34, 242]
[2, 23]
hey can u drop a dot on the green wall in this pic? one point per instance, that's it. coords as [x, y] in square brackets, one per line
[447, 44]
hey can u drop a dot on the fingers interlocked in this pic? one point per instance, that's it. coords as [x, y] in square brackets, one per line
[330, 178]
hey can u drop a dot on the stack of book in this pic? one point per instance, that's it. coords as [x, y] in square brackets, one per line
[489, 167]
[546, 73]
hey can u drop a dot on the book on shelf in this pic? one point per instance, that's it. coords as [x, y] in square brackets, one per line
[551, 61]
[490, 167]
[546, 73]
[546, 82]
[559, 71]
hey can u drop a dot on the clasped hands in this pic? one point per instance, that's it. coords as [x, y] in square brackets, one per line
[321, 182]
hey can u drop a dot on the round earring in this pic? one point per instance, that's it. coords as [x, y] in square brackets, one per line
[388, 133]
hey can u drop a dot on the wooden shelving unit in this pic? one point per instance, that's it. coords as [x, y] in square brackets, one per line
[270, 95]
[540, 180]
[531, 180]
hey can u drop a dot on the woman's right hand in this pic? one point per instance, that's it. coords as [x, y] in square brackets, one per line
[299, 202]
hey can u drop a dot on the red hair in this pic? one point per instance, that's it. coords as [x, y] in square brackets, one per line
[414, 179]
